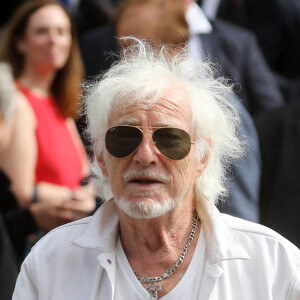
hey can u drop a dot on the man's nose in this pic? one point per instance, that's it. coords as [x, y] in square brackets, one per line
[146, 153]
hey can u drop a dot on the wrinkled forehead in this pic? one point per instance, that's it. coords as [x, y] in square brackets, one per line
[172, 101]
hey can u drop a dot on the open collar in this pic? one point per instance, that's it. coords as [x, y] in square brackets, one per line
[221, 242]
[102, 232]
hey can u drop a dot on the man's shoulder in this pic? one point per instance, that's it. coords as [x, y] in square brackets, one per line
[244, 227]
[65, 233]
[258, 238]
[97, 232]
[67, 251]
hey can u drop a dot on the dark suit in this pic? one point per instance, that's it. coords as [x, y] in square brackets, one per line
[18, 221]
[8, 266]
[244, 175]
[279, 135]
[90, 14]
[96, 46]
[276, 24]
[233, 48]
[240, 58]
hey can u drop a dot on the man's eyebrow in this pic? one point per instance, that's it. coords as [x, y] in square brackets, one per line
[132, 121]
[164, 124]
[136, 122]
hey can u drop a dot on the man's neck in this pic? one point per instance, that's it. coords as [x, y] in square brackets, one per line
[152, 247]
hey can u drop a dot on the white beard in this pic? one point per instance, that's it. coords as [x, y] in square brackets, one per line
[146, 209]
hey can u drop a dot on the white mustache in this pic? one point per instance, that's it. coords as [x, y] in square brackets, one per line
[147, 174]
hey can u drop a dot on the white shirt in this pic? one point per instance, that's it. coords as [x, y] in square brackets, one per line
[128, 287]
[198, 24]
[210, 8]
[243, 260]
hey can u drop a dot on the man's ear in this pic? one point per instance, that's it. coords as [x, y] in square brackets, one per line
[101, 163]
[204, 161]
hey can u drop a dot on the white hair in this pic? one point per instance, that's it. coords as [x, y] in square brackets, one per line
[141, 76]
[8, 90]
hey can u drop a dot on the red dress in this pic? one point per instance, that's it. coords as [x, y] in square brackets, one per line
[59, 159]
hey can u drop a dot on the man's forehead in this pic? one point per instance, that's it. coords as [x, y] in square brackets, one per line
[172, 104]
[173, 94]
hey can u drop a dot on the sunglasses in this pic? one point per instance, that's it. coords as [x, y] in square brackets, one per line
[123, 140]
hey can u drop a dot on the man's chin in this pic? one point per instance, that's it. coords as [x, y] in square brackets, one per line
[146, 208]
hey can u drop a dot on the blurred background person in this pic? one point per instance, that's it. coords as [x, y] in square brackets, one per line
[8, 264]
[279, 135]
[8, 268]
[160, 22]
[45, 158]
[17, 223]
[238, 55]
[276, 25]
[234, 50]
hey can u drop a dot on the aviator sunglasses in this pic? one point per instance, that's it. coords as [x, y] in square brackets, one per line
[123, 140]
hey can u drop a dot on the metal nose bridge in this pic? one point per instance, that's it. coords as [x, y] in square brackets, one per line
[148, 129]
[151, 129]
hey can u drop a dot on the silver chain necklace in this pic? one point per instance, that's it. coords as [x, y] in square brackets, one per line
[153, 287]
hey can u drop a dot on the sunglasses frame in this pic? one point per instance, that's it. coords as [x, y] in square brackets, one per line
[152, 130]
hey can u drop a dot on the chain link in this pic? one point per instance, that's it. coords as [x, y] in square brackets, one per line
[153, 287]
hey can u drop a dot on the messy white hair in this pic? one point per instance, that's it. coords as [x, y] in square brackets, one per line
[8, 90]
[141, 76]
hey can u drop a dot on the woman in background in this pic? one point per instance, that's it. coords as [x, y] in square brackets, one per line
[17, 223]
[45, 158]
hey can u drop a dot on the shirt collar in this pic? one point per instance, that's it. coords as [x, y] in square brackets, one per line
[102, 232]
[221, 242]
[197, 21]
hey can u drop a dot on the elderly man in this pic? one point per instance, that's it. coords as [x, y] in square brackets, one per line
[163, 135]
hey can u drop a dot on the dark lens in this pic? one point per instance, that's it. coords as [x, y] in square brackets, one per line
[173, 143]
[121, 141]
